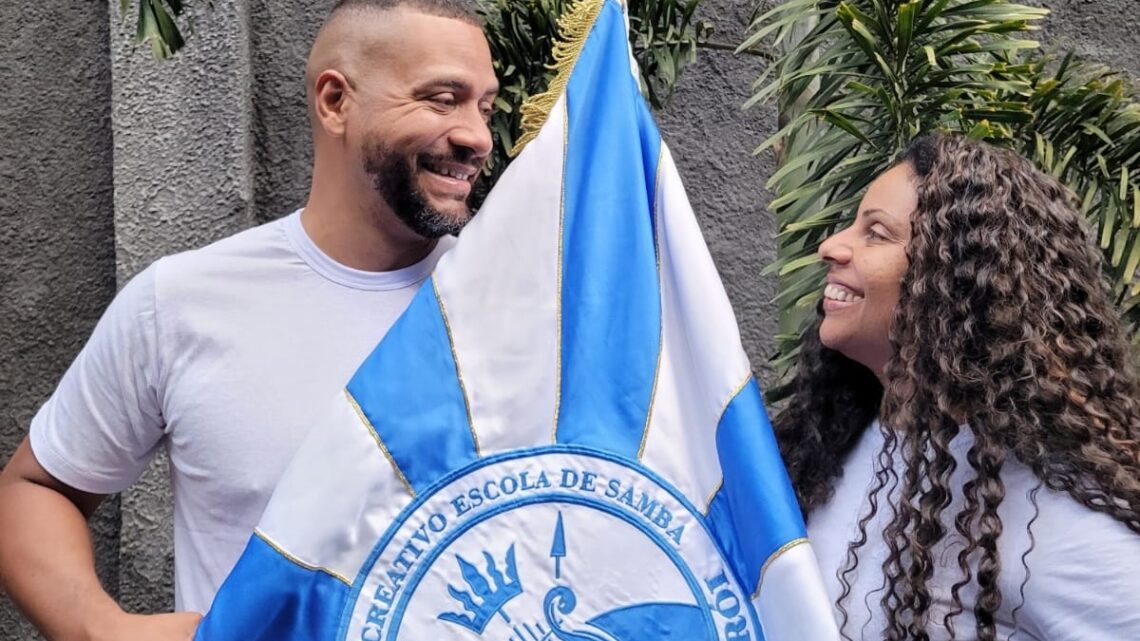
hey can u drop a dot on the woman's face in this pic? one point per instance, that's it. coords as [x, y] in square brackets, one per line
[867, 261]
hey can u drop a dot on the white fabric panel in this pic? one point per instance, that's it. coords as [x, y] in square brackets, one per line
[341, 454]
[794, 587]
[702, 363]
[506, 341]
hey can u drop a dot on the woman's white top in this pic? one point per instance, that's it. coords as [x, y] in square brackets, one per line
[1084, 570]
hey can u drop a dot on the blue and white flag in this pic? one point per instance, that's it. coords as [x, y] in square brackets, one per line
[561, 438]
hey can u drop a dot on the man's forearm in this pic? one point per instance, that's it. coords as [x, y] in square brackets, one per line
[47, 565]
[48, 568]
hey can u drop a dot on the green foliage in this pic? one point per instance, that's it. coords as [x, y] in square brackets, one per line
[157, 26]
[521, 34]
[856, 80]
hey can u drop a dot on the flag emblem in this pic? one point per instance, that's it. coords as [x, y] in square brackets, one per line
[547, 545]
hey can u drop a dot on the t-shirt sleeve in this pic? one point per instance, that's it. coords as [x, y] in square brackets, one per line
[103, 423]
[1085, 576]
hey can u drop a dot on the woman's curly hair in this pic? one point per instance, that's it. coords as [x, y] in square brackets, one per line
[1005, 322]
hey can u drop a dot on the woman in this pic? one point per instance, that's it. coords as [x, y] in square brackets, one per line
[964, 427]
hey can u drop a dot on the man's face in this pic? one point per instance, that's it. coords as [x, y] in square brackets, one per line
[423, 137]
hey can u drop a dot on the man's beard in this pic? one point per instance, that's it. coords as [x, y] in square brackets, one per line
[393, 179]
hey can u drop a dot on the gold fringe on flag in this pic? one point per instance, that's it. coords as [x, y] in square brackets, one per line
[573, 28]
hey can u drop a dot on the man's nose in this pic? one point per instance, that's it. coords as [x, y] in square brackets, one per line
[473, 133]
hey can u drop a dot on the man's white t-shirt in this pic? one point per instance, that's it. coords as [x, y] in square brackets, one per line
[1084, 569]
[224, 356]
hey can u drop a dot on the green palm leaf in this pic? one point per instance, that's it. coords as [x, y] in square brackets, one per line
[157, 26]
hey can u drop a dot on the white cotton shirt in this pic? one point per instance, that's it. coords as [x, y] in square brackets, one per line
[224, 356]
[1084, 582]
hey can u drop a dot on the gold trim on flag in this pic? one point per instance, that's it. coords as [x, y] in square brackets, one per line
[712, 495]
[660, 298]
[573, 29]
[558, 283]
[296, 561]
[716, 431]
[379, 442]
[771, 558]
[458, 369]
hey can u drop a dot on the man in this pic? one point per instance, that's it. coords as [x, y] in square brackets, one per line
[222, 355]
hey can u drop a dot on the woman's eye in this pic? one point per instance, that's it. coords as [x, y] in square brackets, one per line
[873, 234]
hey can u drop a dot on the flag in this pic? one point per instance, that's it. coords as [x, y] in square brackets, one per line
[561, 438]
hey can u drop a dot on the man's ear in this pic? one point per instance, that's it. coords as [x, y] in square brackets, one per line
[330, 97]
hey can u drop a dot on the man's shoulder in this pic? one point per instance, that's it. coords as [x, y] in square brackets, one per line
[264, 239]
[229, 256]
[227, 272]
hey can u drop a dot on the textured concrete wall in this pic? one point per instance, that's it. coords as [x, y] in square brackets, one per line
[282, 147]
[216, 140]
[57, 253]
[1107, 31]
[712, 139]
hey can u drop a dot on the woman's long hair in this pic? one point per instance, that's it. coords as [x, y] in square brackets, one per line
[1005, 322]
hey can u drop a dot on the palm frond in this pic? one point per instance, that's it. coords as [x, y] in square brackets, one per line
[665, 36]
[157, 25]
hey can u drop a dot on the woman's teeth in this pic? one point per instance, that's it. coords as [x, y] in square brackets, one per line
[839, 293]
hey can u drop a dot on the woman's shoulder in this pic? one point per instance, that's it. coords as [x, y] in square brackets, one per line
[1083, 565]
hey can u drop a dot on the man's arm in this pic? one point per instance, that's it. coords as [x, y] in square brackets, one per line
[48, 568]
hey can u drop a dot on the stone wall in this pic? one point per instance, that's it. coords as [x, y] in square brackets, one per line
[110, 160]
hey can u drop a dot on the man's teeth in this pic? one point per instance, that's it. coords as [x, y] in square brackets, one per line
[835, 292]
[452, 173]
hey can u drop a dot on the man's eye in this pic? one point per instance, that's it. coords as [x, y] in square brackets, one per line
[444, 99]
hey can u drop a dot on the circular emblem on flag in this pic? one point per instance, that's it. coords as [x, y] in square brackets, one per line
[549, 544]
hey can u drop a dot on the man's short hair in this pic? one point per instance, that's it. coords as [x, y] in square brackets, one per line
[456, 9]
